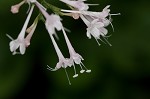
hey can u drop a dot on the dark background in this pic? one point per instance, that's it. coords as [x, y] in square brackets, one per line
[118, 72]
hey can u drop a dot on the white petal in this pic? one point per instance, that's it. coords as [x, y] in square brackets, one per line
[58, 26]
[104, 31]
[106, 22]
[22, 48]
[13, 45]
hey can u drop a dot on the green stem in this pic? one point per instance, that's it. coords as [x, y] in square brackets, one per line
[55, 9]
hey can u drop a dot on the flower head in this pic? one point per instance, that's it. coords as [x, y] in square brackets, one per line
[75, 57]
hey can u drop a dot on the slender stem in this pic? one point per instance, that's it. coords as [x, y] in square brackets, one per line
[70, 47]
[60, 55]
[55, 9]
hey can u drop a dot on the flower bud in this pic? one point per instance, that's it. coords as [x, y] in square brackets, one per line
[15, 8]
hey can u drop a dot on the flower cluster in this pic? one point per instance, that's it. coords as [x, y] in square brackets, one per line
[96, 23]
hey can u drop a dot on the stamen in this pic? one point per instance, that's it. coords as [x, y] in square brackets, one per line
[100, 40]
[82, 70]
[75, 75]
[111, 24]
[116, 14]
[87, 70]
[14, 53]
[67, 76]
[93, 4]
[73, 11]
[97, 42]
[107, 41]
[9, 37]
[67, 29]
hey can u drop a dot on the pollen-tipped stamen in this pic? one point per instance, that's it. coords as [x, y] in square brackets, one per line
[107, 41]
[75, 75]
[87, 70]
[82, 70]
[51, 69]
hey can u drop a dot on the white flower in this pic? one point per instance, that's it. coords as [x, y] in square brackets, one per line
[95, 28]
[20, 41]
[51, 20]
[77, 59]
[95, 22]
[63, 62]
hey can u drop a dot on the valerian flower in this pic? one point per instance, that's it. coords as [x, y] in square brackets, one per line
[95, 22]
[21, 42]
[74, 56]
[54, 22]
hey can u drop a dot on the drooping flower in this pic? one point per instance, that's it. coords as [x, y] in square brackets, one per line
[63, 62]
[51, 20]
[95, 22]
[21, 42]
[54, 22]
[77, 59]
[96, 29]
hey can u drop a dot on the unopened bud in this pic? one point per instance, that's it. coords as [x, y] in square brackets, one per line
[75, 15]
[15, 8]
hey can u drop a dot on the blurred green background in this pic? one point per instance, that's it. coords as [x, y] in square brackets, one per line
[118, 72]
